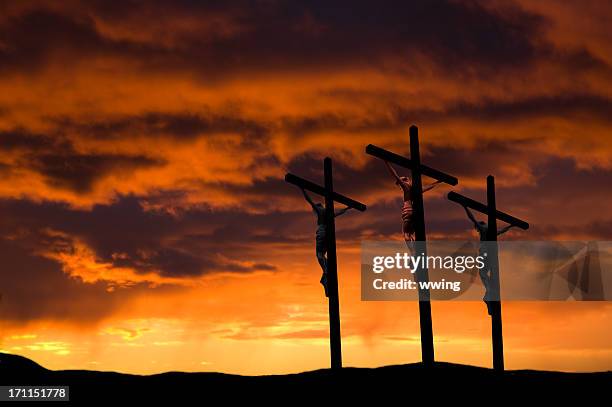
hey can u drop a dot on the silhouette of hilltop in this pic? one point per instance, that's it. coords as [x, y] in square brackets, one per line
[402, 383]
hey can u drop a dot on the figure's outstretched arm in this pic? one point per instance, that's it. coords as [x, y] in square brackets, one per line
[471, 216]
[308, 199]
[393, 173]
[431, 186]
[342, 211]
[504, 230]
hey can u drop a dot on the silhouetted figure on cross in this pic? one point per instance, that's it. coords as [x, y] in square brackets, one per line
[413, 224]
[489, 250]
[405, 183]
[485, 272]
[326, 246]
[321, 235]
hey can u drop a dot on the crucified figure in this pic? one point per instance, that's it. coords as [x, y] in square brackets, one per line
[485, 272]
[321, 236]
[405, 183]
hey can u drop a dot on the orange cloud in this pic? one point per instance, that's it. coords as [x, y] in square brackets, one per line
[80, 262]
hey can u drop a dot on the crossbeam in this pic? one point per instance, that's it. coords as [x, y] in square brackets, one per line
[317, 189]
[408, 163]
[482, 208]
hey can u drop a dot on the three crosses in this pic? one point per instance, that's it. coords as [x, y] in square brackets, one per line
[417, 169]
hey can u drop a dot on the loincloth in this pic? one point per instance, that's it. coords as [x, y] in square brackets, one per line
[407, 219]
[321, 238]
[407, 212]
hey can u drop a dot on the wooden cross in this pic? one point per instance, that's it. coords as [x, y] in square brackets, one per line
[418, 169]
[490, 209]
[330, 196]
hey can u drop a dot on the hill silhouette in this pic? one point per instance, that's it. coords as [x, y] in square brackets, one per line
[403, 383]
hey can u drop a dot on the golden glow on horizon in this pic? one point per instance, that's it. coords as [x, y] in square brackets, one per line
[277, 323]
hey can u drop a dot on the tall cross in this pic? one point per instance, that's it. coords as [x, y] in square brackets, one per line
[327, 191]
[490, 209]
[418, 169]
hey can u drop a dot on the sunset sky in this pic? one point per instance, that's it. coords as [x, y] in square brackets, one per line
[144, 222]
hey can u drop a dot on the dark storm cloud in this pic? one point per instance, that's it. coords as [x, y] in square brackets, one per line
[565, 106]
[356, 31]
[395, 116]
[79, 172]
[484, 157]
[33, 287]
[124, 234]
[23, 140]
[278, 35]
[27, 51]
[55, 158]
[174, 125]
[562, 106]
[39, 37]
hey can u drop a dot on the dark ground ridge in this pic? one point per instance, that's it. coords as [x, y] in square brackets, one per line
[403, 383]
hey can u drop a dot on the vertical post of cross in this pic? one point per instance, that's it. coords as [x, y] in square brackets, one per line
[492, 253]
[427, 347]
[332, 270]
